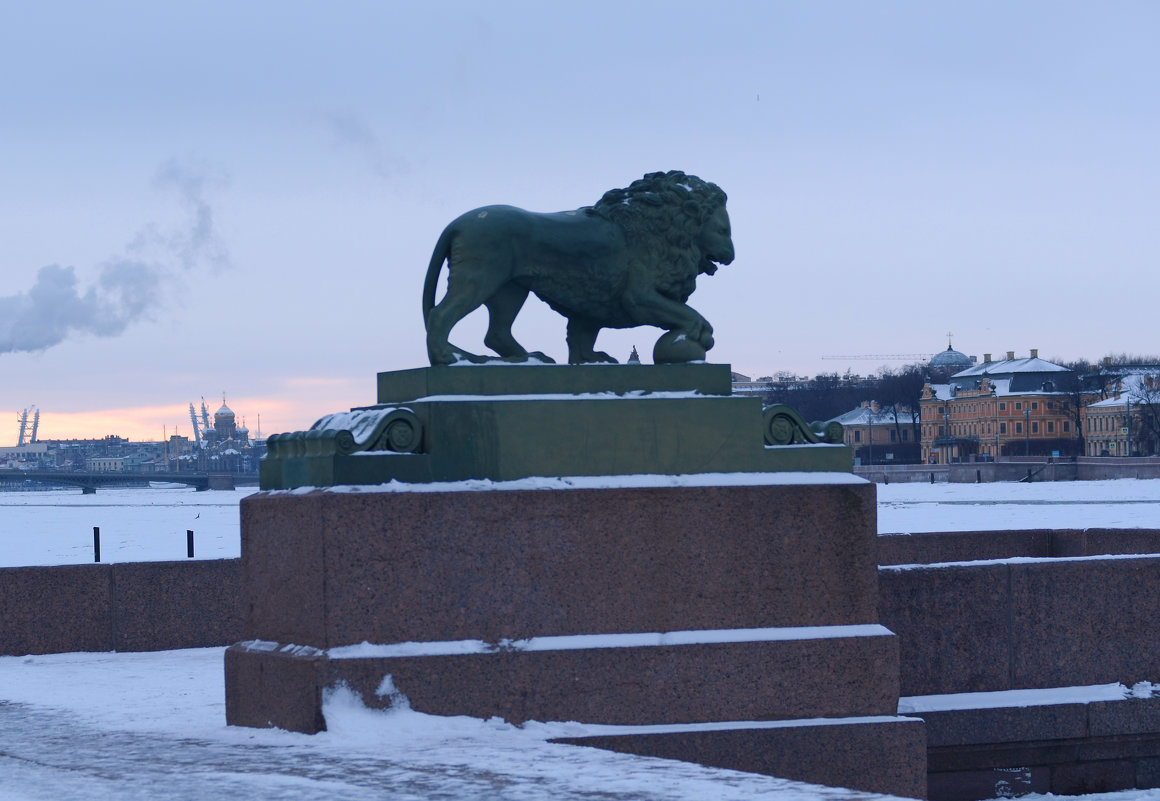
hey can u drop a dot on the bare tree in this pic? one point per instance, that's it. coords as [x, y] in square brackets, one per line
[899, 391]
[1144, 414]
[1084, 384]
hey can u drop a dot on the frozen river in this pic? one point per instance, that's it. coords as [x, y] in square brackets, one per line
[139, 524]
[916, 508]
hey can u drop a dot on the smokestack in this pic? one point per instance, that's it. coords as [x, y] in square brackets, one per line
[1010, 355]
[987, 358]
[1035, 353]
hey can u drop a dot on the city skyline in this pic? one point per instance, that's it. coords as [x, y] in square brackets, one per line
[200, 198]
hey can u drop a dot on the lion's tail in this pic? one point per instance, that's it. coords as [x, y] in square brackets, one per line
[441, 254]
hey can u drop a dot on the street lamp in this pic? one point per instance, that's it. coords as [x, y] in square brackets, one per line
[1128, 429]
[947, 438]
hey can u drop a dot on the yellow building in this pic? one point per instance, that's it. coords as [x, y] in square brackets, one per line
[1125, 424]
[878, 436]
[1008, 407]
[105, 464]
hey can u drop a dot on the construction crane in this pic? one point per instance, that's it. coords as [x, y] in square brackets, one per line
[196, 430]
[890, 357]
[22, 418]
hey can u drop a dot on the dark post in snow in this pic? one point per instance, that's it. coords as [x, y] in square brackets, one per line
[96, 543]
[189, 543]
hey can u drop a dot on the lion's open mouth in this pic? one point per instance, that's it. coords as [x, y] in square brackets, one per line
[708, 266]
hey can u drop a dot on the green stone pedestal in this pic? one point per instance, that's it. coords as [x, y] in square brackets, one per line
[504, 422]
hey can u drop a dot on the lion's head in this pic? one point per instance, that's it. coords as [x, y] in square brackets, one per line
[677, 227]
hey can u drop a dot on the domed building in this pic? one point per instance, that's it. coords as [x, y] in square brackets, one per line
[994, 409]
[224, 423]
[947, 363]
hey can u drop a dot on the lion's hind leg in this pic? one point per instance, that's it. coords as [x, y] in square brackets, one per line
[462, 298]
[582, 342]
[502, 308]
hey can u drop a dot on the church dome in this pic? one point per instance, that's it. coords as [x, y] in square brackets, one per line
[951, 361]
[224, 411]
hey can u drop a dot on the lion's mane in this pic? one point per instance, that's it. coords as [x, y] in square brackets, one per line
[662, 215]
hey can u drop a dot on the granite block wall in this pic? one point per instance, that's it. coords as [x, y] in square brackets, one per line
[329, 568]
[957, 546]
[163, 605]
[56, 609]
[1014, 625]
[146, 606]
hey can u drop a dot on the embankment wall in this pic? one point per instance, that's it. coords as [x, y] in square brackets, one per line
[1091, 468]
[142, 606]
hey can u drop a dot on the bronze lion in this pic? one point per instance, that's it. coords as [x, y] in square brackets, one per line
[632, 259]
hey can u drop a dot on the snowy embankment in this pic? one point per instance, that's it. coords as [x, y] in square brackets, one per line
[920, 508]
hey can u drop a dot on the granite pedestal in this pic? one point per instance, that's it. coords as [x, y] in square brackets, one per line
[625, 605]
[705, 562]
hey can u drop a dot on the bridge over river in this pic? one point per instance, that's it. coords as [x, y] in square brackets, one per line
[89, 481]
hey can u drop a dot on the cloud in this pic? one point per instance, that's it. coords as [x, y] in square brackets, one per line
[128, 287]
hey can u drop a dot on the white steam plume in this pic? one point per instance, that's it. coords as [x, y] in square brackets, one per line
[127, 288]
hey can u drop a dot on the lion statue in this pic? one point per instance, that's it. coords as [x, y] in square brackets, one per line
[632, 259]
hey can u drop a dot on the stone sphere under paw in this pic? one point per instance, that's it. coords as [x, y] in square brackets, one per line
[675, 348]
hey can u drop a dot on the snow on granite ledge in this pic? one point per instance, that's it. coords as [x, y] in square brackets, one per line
[561, 729]
[1017, 560]
[366, 650]
[635, 481]
[1003, 699]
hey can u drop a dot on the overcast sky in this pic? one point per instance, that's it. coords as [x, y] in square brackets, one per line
[209, 197]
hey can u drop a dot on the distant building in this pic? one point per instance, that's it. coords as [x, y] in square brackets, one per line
[1010, 407]
[878, 435]
[105, 464]
[28, 455]
[744, 385]
[948, 363]
[1127, 423]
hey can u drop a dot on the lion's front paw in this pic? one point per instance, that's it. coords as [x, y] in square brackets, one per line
[702, 334]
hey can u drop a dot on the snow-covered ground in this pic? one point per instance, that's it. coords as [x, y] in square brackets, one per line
[134, 726]
[123, 727]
